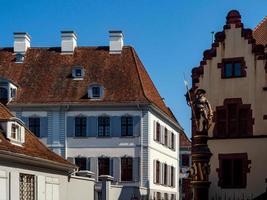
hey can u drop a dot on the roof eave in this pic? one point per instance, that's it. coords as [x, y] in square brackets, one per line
[39, 162]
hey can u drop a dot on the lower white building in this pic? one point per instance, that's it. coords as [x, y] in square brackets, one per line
[29, 170]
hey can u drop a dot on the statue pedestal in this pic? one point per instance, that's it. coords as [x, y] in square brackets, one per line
[200, 166]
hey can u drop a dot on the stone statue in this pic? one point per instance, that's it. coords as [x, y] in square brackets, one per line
[202, 110]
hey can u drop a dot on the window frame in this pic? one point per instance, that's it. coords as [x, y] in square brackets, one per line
[245, 169]
[105, 127]
[126, 126]
[157, 172]
[226, 133]
[36, 129]
[126, 169]
[80, 124]
[158, 131]
[101, 168]
[81, 159]
[33, 184]
[232, 62]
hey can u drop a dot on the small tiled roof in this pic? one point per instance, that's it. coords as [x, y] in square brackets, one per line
[32, 146]
[260, 32]
[45, 77]
[184, 141]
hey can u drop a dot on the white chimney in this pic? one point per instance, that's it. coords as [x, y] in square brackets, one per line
[115, 42]
[22, 41]
[68, 42]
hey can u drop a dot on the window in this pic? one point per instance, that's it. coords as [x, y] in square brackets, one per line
[233, 170]
[13, 92]
[158, 132]
[172, 176]
[166, 196]
[103, 126]
[78, 72]
[127, 126]
[20, 58]
[173, 197]
[233, 119]
[233, 68]
[165, 171]
[173, 141]
[126, 169]
[26, 187]
[3, 93]
[103, 166]
[158, 172]
[158, 197]
[166, 137]
[81, 163]
[14, 131]
[96, 92]
[34, 125]
[80, 126]
[185, 159]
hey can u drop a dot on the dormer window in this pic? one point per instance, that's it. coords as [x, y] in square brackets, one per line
[8, 90]
[95, 91]
[20, 58]
[14, 130]
[77, 73]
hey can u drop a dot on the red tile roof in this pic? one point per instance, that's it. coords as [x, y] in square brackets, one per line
[184, 141]
[45, 77]
[260, 32]
[32, 146]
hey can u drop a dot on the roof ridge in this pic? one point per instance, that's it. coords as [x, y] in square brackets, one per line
[262, 21]
[138, 73]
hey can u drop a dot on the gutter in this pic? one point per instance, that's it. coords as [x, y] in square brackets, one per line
[37, 162]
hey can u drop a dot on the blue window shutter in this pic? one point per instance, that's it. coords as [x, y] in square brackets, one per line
[70, 126]
[111, 166]
[43, 126]
[115, 126]
[91, 126]
[26, 121]
[136, 161]
[136, 125]
[116, 169]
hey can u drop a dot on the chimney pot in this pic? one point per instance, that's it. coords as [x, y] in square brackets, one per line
[22, 41]
[68, 42]
[115, 42]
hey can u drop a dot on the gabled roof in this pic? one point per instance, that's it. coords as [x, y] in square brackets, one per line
[45, 77]
[184, 141]
[260, 32]
[32, 146]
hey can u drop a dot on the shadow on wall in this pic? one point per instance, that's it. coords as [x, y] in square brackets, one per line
[131, 193]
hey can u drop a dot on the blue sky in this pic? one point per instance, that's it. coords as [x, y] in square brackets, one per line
[169, 36]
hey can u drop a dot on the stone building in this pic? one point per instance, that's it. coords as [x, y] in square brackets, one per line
[234, 74]
[97, 107]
